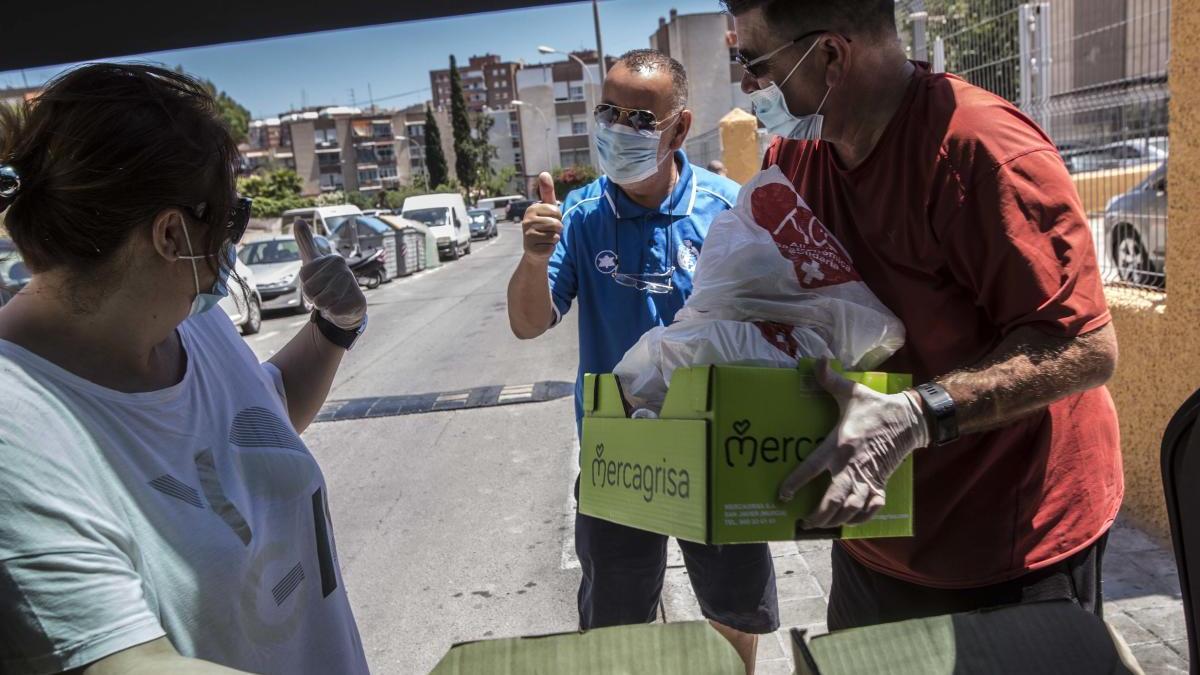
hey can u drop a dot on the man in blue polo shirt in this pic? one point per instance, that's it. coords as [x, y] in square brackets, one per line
[624, 248]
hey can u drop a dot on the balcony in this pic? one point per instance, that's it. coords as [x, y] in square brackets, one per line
[326, 146]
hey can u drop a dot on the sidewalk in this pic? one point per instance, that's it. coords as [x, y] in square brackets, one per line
[1141, 599]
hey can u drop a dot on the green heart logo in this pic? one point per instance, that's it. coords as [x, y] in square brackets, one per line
[600, 451]
[741, 427]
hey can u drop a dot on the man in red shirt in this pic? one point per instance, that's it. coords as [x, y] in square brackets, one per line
[959, 214]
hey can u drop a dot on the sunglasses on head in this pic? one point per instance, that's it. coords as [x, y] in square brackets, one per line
[608, 115]
[754, 67]
[239, 217]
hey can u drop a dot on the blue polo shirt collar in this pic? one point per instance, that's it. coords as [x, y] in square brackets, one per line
[680, 202]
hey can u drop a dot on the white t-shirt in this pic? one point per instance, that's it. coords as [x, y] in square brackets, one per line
[194, 512]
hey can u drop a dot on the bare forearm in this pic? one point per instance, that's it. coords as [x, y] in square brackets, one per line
[1026, 372]
[308, 363]
[530, 307]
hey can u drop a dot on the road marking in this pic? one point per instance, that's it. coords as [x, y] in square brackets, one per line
[415, 404]
[515, 393]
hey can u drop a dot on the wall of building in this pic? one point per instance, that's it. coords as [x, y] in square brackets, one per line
[303, 147]
[1160, 365]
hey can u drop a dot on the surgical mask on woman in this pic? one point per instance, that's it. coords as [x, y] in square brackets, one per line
[770, 106]
[205, 301]
[628, 156]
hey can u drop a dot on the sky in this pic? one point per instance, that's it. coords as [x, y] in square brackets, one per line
[392, 62]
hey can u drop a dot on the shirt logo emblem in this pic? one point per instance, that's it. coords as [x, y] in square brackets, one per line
[606, 262]
[688, 255]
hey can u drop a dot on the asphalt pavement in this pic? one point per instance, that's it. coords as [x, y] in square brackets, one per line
[451, 525]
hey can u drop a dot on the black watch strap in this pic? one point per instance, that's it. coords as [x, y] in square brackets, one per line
[339, 336]
[941, 411]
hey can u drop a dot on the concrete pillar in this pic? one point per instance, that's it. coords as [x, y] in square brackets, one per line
[739, 145]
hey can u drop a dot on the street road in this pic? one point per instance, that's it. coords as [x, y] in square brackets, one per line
[450, 525]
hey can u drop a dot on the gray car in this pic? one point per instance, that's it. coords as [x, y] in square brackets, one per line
[276, 265]
[1135, 231]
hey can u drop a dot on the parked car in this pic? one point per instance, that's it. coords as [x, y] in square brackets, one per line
[323, 219]
[446, 216]
[498, 205]
[1135, 231]
[483, 224]
[1117, 155]
[243, 304]
[276, 266]
[14, 275]
[516, 210]
[377, 212]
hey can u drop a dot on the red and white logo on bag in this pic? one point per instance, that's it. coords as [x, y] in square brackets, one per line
[780, 336]
[817, 255]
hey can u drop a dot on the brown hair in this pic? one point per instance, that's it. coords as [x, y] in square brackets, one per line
[104, 149]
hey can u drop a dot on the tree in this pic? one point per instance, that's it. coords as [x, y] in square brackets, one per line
[464, 147]
[981, 42]
[499, 184]
[273, 192]
[435, 159]
[485, 152]
[572, 177]
[236, 116]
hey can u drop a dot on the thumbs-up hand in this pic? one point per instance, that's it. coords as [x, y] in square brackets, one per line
[327, 281]
[542, 224]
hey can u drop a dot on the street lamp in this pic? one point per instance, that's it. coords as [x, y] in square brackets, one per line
[587, 74]
[546, 121]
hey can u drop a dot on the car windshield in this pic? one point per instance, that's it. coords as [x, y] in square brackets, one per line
[431, 217]
[335, 224]
[479, 216]
[270, 252]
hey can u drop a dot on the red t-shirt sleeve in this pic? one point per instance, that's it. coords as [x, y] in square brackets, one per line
[1015, 234]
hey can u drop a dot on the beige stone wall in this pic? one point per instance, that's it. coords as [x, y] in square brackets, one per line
[1160, 342]
[739, 145]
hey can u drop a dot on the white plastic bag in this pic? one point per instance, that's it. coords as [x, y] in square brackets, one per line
[772, 285]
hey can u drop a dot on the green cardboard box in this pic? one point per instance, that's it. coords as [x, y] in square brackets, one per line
[692, 648]
[708, 470]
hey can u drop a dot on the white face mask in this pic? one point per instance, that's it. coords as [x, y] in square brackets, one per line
[770, 106]
[628, 156]
[205, 301]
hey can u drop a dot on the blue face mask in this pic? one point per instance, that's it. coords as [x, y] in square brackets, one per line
[205, 301]
[628, 156]
[770, 106]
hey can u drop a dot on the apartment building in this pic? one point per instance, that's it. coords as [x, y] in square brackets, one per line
[268, 145]
[487, 82]
[343, 148]
[414, 133]
[556, 101]
[703, 44]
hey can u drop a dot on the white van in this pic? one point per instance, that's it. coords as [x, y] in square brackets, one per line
[446, 217]
[498, 205]
[323, 219]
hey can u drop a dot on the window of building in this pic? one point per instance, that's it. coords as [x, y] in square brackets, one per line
[329, 160]
[574, 158]
[381, 129]
[576, 92]
[331, 181]
[368, 177]
[516, 142]
[325, 137]
[579, 128]
[385, 153]
[364, 155]
[387, 172]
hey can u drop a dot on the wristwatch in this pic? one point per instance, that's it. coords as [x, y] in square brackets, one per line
[337, 335]
[941, 412]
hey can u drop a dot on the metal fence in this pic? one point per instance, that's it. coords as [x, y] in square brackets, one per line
[704, 148]
[1093, 74]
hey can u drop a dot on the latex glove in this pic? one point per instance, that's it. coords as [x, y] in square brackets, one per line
[328, 282]
[874, 435]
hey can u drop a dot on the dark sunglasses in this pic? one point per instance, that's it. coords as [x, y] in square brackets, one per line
[754, 66]
[607, 115]
[239, 218]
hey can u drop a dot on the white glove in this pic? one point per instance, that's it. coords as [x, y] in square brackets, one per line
[876, 432]
[328, 282]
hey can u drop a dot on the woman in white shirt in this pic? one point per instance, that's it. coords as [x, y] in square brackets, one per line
[158, 509]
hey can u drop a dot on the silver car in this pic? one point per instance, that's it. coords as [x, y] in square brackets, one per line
[1135, 231]
[243, 304]
[276, 266]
